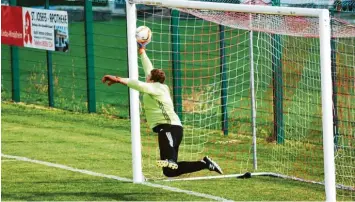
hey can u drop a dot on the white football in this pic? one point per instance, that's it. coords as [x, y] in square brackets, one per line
[143, 34]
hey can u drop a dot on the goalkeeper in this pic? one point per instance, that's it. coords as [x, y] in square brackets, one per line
[162, 119]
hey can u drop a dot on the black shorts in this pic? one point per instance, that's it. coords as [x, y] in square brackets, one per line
[169, 137]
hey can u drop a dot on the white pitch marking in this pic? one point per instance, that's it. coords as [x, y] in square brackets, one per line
[173, 189]
[19, 158]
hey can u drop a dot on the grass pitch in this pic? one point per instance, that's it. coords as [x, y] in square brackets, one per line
[101, 144]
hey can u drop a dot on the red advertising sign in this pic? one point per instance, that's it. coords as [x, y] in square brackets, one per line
[11, 25]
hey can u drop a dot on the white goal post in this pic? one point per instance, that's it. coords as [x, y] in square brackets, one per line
[133, 94]
[325, 62]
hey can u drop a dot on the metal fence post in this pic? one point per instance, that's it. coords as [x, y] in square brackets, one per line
[224, 87]
[15, 69]
[89, 50]
[175, 41]
[277, 83]
[49, 71]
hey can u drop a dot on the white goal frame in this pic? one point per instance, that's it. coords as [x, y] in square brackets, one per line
[326, 79]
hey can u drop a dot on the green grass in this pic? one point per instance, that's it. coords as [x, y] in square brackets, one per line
[22, 181]
[102, 144]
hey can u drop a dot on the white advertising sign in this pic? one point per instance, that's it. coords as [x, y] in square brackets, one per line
[45, 29]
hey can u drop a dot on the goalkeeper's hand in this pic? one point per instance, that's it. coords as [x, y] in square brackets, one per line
[143, 45]
[112, 80]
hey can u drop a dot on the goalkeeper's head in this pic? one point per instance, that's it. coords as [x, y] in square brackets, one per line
[156, 75]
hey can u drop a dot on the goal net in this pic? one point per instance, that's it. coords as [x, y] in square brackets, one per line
[247, 86]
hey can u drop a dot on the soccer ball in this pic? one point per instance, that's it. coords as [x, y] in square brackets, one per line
[143, 34]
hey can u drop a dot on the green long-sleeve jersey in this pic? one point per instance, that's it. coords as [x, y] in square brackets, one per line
[158, 106]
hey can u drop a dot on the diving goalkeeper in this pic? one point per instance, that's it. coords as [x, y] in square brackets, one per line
[162, 119]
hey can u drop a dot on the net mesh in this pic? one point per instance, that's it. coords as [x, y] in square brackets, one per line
[284, 47]
[344, 100]
[285, 25]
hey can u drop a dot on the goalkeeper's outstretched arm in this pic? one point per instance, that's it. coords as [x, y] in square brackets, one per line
[147, 64]
[140, 86]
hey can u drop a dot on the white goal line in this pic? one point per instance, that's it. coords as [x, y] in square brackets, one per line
[87, 172]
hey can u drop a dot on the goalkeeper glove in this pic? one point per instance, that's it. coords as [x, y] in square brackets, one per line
[142, 45]
[111, 80]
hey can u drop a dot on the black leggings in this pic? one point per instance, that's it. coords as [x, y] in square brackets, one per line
[170, 137]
